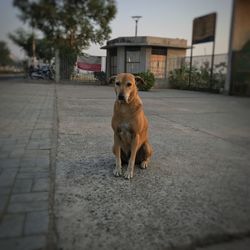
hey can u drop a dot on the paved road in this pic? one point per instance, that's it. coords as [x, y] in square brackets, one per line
[195, 194]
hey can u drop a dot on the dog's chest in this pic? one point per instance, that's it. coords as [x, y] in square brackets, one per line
[124, 132]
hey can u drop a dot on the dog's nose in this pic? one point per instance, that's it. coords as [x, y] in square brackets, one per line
[121, 97]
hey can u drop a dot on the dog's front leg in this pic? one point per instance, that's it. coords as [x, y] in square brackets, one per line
[117, 151]
[131, 164]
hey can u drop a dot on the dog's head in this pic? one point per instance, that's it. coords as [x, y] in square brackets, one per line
[126, 86]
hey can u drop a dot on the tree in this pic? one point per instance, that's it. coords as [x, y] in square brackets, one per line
[4, 54]
[24, 39]
[70, 24]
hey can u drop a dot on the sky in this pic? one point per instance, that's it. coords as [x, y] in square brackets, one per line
[161, 18]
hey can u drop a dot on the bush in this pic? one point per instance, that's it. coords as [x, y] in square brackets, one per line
[200, 77]
[178, 78]
[149, 80]
[102, 77]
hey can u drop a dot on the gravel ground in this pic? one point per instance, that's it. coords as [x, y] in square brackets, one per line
[195, 192]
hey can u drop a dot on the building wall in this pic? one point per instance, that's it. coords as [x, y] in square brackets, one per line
[120, 59]
[160, 41]
[176, 53]
[241, 24]
[238, 78]
[148, 51]
[143, 59]
[108, 63]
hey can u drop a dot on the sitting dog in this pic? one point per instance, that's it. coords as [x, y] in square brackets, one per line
[130, 126]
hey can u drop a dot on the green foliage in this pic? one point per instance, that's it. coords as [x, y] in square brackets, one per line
[4, 54]
[70, 24]
[200, 77]
[44, 49]
[23, 39]
[149, 80]
[219, 77]
[102, 77]
[178, 78]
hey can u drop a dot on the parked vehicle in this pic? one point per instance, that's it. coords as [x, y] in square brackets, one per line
[44, 72]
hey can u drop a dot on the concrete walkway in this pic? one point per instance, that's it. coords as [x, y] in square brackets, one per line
[26, 132]
[57, 189]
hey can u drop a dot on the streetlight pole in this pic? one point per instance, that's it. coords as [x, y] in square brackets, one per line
[136, 18]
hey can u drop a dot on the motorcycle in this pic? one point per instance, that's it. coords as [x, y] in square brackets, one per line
[41, 73]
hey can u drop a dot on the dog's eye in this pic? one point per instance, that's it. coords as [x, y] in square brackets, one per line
[129, 84]
[117, 84]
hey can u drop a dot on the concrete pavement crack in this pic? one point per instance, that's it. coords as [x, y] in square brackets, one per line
[211, 240]
[202, 131]
[52, 233]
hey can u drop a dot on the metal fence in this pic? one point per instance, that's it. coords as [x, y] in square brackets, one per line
[197, 61]
[198, 77]
[180, 75]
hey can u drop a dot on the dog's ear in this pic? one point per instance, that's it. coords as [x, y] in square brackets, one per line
[111, 80]
[139, 81]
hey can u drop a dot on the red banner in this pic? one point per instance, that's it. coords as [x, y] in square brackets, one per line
[89, 66]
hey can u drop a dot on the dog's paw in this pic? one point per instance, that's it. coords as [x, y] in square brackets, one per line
[128, 174]
[117, 172]
[144, 165]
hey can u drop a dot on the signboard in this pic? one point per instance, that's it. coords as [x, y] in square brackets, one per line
[89, 63]
[204, 29]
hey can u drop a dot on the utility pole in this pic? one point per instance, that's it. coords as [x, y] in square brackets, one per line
[33, 44]
[136, 18]
[33, 48]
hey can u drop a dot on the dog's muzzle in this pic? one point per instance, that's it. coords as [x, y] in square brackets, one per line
[121, 97]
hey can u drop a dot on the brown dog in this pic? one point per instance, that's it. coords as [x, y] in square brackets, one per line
[130, 126]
